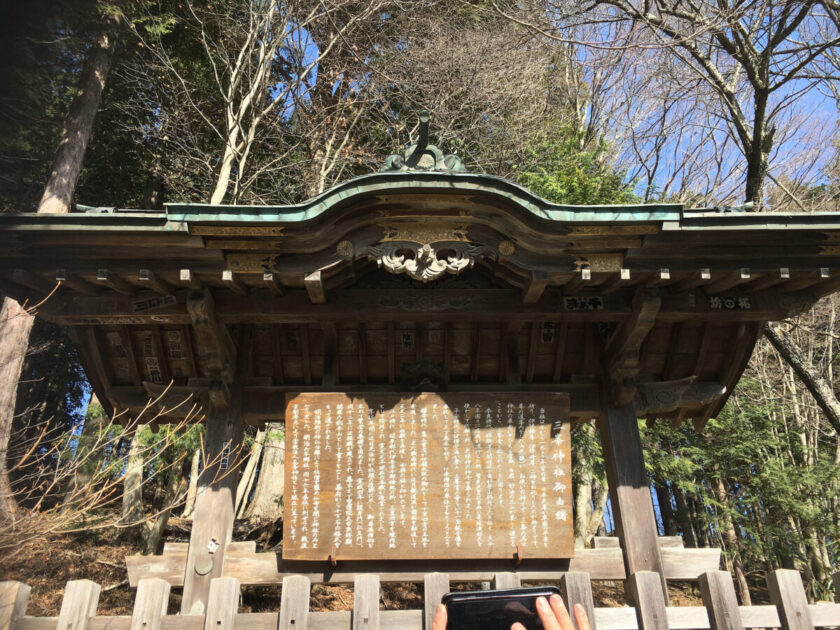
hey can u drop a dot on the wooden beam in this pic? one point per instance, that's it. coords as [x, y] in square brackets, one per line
[392, 353]
[469, 305]
[234, 283]
[315, 287]
[730, 280]
[33, 281]
[769, 279]
[189, 279]
[113, 281]
[273, 283]
[269, 568]
[533, 340]
[535, 287]
[698, 278]
[476, 352]
[616, 282]
[806, 279]
[560, 351]
[577, 281]
[510, 353]
[362, 350]
[148, 277]
[74, 282]
[267, 402]
[629, 490]
[330, 375]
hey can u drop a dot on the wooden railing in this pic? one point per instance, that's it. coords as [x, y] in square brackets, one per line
[790, 609]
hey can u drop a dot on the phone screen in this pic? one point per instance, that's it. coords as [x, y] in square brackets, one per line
[494, 610]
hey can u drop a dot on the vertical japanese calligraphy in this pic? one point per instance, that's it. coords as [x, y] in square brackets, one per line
[404, 476]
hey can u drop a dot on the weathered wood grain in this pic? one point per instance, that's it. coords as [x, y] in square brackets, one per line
[81, 598]
[506, 579]
[788, 595]
[427, 476]
[14, 596]
[366, 602]
[719, 597]
[294, 603]
[645, 590]
[150, 604]
[435, 586]
[268, 568]
[576, 588]
[222, 604]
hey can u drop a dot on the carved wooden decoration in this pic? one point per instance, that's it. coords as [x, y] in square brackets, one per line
[427, 476]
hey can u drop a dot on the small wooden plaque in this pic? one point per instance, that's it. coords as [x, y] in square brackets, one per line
[427, 476]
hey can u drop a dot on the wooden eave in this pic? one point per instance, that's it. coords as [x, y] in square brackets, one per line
[553, 293]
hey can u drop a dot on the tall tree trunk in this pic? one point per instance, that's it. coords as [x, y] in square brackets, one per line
[663, 497]
[78, 126]
[268, 496]
[15, 325]
[132, 503]
[189, 503]
[248, 475]
[600, 494]
[815, 383]
[15, 322]
[90, 440]
[731, 538]
[174, 488]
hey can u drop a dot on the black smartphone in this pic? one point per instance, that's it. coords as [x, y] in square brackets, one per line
[495, 610]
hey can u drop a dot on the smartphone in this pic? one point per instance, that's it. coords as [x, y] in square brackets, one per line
[495, 610]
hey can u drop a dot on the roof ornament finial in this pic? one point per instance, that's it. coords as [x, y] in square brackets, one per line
[423, 156]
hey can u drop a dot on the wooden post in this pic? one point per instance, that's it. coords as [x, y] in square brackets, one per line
[366, 602]
[720, 600]
[13, 599]
[294, 603]
[629, 491]
[222, 604]
[788, 594]
[577, 589]
[79, 604]
[645, 587]
[435, 586]
[506, 579]
[150, 604]
[214, 503]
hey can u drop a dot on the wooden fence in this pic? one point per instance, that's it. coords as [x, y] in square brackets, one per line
[790, 609]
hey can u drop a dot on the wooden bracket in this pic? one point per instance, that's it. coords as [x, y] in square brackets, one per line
[519, 556]
[333, 558]
[624, 346]
[215, 349]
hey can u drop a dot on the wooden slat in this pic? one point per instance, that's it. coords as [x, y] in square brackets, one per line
[188, 278]
[113, 281]
[787, 593]
[435, 586]
[222, 604]
[273, 283]
[645, 589]
[577, 589]
[79, 604]
[294, 603]
[148, 277]
[150, 604]
[315, 287]
[366, 602]
[506, 579]
[614, 542]
[720, 600]
[267, 568]
[234, 283]
[14, 596]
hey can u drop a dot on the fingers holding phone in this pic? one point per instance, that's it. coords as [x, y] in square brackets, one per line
[554, 616]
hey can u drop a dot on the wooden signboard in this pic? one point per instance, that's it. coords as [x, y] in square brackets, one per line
[427, 476]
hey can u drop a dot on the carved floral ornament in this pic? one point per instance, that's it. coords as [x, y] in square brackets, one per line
[424, 251]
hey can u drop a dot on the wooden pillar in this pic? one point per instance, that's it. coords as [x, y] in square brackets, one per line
[630, 491]
[214, 503]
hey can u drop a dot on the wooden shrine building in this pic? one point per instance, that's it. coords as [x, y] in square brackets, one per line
[426, 290]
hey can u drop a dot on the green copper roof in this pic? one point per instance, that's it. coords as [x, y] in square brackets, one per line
[463, 183]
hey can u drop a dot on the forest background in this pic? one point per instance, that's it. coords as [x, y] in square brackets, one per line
[710, 104]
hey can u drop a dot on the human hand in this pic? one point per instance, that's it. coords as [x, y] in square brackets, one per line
[439, 621]
[553, 615]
